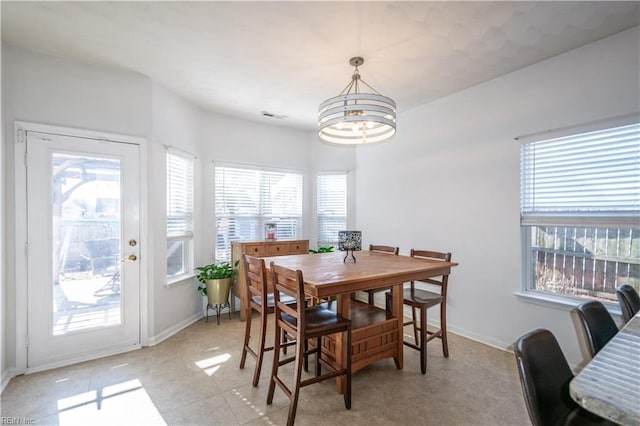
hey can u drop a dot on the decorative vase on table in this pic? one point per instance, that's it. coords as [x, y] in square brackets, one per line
[349, 241]
[270, 231]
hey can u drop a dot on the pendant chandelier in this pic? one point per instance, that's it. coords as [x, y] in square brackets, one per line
[354, 117]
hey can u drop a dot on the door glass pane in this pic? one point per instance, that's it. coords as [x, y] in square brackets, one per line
[86, 242]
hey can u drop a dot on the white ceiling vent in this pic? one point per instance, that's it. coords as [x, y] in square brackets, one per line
[272, 115]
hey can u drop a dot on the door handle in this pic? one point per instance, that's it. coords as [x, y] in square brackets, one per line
[131, 258]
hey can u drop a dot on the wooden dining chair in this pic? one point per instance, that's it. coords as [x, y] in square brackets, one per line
[420, 300]
[545, 376]
[380, 249]
[629, 301]
[597, 325]
[263, 302]
[312, 322]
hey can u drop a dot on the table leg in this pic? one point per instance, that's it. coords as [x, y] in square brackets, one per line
[396, 301]
[343, 310]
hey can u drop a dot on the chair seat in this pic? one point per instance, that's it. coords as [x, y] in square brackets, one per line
[319, 319]
[421, 297]
[287, 300]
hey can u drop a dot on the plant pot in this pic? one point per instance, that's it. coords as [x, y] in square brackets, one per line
[218, 291]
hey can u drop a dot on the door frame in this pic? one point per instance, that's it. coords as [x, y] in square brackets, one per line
[20, 211]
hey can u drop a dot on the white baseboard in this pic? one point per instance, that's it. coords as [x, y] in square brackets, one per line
[88, 356]
[154, 340]
[6, 377]
[480, 338]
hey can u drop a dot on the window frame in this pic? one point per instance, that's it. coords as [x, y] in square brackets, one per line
[187, 237]
[592, 221]
[345, 174]
[258, 220]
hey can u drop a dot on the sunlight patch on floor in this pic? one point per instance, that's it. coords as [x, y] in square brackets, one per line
[253, 407]
[211, 365]
[121, 403]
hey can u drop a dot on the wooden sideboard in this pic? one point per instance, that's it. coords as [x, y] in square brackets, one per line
[261, 249]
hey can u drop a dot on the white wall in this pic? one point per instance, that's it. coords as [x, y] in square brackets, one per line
[176, 123]
[450, 180]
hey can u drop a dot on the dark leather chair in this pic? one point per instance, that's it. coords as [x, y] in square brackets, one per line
[420, 300]
[305, 323]
[380, 249]
[597, 325]
[545, 376]
[629, 301]
[261, 301]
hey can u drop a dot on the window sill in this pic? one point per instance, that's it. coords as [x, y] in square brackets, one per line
[559, 302]
[178, 279]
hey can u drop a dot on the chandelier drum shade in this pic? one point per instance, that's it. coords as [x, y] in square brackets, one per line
[355, 117]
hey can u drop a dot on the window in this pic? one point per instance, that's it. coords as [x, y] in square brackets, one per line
[331, 207]
[247, 198]
[580, 212]
[179, 214]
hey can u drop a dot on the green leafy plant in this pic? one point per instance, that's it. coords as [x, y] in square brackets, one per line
[325, 249]
[215, 271]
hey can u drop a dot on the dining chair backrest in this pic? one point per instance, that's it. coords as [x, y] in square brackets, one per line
[629, 301]
[289, 282]
[384, 249]
[377, 248]
[545, 376]
[255, 274]
[434, 255]
[597, 325]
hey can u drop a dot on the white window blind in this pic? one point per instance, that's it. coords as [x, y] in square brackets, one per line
[246, 198]
[588, 175]
[331, 207]
[180, 169]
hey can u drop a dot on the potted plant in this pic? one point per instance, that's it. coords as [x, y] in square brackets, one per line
[322, 249]
[216, 280]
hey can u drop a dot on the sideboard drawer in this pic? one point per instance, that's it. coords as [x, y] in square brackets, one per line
[298, 248]
[256, 250]
[276, 249]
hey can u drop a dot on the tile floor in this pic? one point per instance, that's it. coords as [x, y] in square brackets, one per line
[193, 378]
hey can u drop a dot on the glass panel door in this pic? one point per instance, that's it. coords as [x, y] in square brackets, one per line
[83, 248]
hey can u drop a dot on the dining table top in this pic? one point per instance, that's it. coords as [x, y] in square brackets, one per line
[609, 385]
[328, 274]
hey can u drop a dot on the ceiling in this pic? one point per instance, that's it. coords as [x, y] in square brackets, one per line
[242, 58]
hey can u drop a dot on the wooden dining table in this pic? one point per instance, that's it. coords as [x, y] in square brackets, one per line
[609, 385]
[376, 334]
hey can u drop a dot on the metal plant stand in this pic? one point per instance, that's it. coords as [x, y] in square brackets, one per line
[218, 307]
